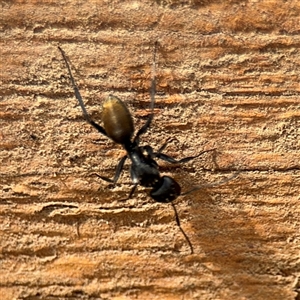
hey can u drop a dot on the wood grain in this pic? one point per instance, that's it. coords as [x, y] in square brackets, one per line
[227, 78]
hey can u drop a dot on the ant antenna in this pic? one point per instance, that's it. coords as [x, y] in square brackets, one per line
[196, 188]
[182, 231]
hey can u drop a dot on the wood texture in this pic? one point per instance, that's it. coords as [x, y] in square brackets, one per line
[227, 78]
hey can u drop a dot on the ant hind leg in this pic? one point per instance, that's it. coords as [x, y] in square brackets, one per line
[145, 127]
[78, 96]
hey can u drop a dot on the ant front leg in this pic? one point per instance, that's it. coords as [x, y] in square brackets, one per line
[132, 191]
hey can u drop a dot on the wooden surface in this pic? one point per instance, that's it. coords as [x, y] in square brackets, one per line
[227, 77]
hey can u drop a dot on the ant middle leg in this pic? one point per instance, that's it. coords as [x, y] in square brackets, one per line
[168, 158]
[117, 174]
[180, 161]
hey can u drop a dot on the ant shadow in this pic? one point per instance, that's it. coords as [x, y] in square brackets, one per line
[224, 236]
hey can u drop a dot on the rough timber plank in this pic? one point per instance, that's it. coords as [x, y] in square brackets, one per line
[228, 77]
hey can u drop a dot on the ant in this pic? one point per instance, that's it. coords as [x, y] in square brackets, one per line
[118, 126]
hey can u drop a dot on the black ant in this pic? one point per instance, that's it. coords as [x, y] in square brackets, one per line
[118, 126]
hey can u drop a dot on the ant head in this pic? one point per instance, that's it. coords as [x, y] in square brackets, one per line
[166, 190]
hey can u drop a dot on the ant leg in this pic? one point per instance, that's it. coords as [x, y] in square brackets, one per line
[117, 174]
[144, 128]
[168, 158]
[79, 98]
[182, 231]
[213, 184]
[165, 144]
[132, 191]
[180, 161]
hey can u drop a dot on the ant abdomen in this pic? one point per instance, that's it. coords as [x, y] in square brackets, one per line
[117, 120]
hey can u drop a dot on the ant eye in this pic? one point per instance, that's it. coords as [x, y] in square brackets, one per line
[166, 190]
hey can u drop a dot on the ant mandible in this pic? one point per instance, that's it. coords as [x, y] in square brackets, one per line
[118, 126]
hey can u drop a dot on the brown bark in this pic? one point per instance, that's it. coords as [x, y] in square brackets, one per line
[227, 78]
